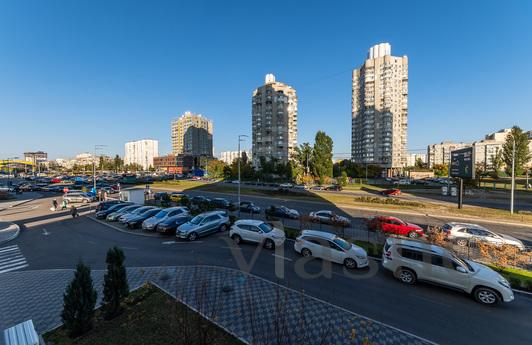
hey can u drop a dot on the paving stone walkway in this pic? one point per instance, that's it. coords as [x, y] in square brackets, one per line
[253, 309]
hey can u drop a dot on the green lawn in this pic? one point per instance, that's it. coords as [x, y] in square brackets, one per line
[150, 317]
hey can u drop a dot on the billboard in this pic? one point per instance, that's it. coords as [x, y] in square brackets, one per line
[462, 163]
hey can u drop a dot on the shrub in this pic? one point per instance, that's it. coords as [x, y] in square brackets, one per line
[79, 301]
[387, 201]
[115, 287]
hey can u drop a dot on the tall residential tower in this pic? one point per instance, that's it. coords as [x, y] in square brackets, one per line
[274, 119]
[192, 135]
[380, 110]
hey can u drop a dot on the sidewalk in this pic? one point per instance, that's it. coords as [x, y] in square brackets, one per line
[245, 305]
[20, 200]
[8, 231]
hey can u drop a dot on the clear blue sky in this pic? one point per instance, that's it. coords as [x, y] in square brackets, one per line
[78, 73]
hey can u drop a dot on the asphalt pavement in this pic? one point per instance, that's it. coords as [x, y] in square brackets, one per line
[53, 241]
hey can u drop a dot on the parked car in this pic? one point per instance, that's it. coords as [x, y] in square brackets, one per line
[124, 218]
[281, 212]
[75, 196]
[112, 208]
[329, 217]
[411, 261]
[257, 231]
[330, 247]
[159, 195]
[249, 207]
[198, 199]
[464, 234]
[104, 205]
[222, 203]
[176, 196]
[170, 224]
[203, 224]
[334, 187]
[393, 225]
[113, 216]
[151, 224]
[301, 187]
[137, 220]
[391, 192]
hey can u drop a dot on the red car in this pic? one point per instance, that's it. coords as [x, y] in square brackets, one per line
[55, 180]
[391, 192]
[396, 226]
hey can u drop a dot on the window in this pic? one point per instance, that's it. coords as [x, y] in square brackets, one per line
[411, 254]
[342, 243]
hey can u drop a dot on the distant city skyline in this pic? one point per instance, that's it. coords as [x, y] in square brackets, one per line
[65, 88]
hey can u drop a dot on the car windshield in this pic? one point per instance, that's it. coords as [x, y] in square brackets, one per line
[463, 262]
[342, 243]
[266, 227]
[196, 220]
[161, 214]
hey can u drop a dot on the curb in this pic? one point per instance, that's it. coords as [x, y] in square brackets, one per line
[124, 231]
[17, 204]
[15, 234]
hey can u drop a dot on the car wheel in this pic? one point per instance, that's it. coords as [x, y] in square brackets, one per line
[268, 244]
[223, 228]
[486, 296]
[406, 276]
[413, 234]
[462, 242]
[237, 239]
[193, 236]
[350, 263]
[306, 252]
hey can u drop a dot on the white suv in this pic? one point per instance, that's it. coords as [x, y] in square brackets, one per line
[465, 233]
[411, 260]
[257, 231]
[330, 247]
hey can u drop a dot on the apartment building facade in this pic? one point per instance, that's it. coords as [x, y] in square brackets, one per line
[274, 121]
[192, 134]
[228, 157]
[141, 152]
[441, 153]
[380, 110]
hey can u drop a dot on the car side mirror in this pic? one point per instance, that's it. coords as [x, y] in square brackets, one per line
[461, 269]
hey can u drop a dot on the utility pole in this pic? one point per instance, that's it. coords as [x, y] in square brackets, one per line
[240, 139]
[96, 147]
[513, 176]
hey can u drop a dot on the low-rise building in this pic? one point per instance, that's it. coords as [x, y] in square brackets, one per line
[228, 157]
[412, 158]
[441, 153]
[36, 157]
[174, 164]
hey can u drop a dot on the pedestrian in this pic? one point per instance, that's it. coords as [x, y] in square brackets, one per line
[54, 205]
[63, 205]
[74, 211]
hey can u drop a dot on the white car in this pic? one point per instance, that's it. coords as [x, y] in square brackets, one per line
[330, 247]
[465, 233]
[412, 260]
[329, 217]
[257, 231]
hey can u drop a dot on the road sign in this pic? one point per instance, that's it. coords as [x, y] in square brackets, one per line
[463, 163]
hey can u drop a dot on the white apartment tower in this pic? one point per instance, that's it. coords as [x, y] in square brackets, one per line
[141, 152]
[380, 110]
[274, 121]
[192, 135]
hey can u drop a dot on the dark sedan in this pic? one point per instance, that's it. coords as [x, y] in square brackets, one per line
[222, 203]
[249, 207]
[136, 222]
[169, 226]
[281, 212]
[112, 208]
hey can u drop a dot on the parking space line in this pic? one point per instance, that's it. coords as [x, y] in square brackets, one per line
[282, 257]
[181, 242]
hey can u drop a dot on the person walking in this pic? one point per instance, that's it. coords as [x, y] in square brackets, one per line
[74, 211]
[63, 205]
[54, 205]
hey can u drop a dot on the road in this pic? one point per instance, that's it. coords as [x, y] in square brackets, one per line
[56, 241]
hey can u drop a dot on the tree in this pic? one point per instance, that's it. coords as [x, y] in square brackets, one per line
[342, 180]
[322, 165]
[497, 161]
[522, 153]
[419, 163]
[79, 300]
[441, 170]
[118, 163]
[216, 168]
[303, 156]
[115, 286]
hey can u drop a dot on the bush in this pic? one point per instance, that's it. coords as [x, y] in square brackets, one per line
[115, 287]
[387, 201]
[79, 301]
[372, 249]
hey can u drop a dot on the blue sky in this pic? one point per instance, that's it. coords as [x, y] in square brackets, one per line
[78, 73]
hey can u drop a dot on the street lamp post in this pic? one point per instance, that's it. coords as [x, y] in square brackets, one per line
[96, 147]
[240, 139]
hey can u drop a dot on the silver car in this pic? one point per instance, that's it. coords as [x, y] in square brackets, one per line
[123, 219]
[203, 224]
[151, 223]
[113, 217]
[464, 233]
[71, 197]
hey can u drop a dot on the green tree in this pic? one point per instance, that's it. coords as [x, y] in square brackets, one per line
[440, 170]
[115, 286]
[79, 300]
[216, 168]
[497, 162]
[342, 179]
[322, 165]
[522, 153]
[419, 163]
[118, 163]
[303, 157]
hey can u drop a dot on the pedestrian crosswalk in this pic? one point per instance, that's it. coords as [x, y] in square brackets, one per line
[11, 259]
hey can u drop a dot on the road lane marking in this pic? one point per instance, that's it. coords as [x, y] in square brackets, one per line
[282, 257]
[181, 242]
[11, 258]
[45, 233]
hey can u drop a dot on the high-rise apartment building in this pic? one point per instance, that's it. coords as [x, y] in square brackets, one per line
[380, 110]
[441, 153]
[228, 157]
[192, 135]
[141, 152]
[274, 121]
